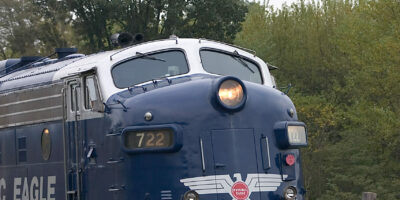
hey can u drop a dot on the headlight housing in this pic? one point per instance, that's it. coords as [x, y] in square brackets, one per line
[191, 195]
[290, 193]
[291, 135]
[230, 93]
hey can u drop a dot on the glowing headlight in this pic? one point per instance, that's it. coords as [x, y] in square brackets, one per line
[231, 93]
[291, 134]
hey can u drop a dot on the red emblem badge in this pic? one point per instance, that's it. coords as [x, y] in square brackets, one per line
[240, 191]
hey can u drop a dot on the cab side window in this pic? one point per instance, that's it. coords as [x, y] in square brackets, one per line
[83, 97]
[74, 97]
[90, 92]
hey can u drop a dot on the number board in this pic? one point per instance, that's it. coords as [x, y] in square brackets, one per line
[149, 139]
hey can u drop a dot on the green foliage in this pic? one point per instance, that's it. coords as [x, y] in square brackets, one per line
[343, 58]
[96, 21]
[36, 27]
[33, 27]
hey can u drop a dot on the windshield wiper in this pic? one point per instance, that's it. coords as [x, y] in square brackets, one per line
[240, 59]
[146, 56]
[271, 67]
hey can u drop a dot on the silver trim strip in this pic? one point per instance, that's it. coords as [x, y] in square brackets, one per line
[202, 155]
[115, 189]
[31, 122]
[30, 100]
[269, 157]
[31, 89]
[30, 111]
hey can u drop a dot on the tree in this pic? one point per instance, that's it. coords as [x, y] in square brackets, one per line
[32, 27]
[218, 20]
[343, 59]
[16, 28]
[96, 20]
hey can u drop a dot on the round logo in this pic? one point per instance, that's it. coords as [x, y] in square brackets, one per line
[240, 191]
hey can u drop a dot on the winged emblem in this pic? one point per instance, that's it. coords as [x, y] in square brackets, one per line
[238, 190]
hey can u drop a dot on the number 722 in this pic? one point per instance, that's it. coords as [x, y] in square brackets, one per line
[151, 139]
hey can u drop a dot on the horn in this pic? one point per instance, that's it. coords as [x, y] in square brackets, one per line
[126, 39]
[138, 38]
[121, 39]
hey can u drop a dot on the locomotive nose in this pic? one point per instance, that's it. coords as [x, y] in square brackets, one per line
[193, 129]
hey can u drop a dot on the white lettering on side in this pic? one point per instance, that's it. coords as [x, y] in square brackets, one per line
[41, 189]
[34, 190]
[2, 187]
[17, 190]
[51, 181]
[25, 190]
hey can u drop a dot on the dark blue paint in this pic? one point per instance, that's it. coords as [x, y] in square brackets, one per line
[286, 169]
[34, 165]
[232, 142]
[189, 102]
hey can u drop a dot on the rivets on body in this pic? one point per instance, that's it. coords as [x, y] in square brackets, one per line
[148, 116]
[290, 112]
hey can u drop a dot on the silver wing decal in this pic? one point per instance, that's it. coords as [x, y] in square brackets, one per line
[263, 182]
[224, 183]
[209, 184]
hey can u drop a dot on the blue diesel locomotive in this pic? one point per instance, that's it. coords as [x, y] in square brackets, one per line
[182, 119]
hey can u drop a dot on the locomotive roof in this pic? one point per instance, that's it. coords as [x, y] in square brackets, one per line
[102, 62]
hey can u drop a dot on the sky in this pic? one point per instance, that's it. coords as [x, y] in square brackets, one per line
[277, 3]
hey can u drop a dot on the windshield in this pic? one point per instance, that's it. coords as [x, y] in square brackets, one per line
[147, 67]
[216, 62]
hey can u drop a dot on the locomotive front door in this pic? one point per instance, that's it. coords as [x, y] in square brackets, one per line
[235, 155]
[74, 140]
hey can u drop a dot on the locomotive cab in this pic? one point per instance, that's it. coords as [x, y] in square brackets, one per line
[213, 111]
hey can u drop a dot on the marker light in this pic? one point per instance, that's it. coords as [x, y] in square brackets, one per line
[46, 144]
[290, 159]
[231, 93]
[291, 135]
[297, 135]
[290, 193]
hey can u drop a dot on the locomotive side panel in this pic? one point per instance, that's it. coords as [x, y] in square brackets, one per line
[31, 137]
[28, 170]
